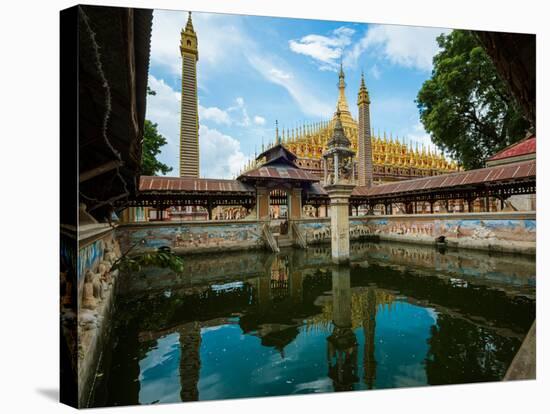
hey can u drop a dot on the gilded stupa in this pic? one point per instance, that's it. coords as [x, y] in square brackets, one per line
[392, 159]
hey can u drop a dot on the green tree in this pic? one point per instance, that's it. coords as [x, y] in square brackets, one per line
[465, 106]
[152, 142]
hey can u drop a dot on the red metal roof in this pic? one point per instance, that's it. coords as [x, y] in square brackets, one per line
[281, 172]
[525, 146]
[509, 172]
[190, 184]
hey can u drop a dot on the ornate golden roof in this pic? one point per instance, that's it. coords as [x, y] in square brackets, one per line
[310, 140]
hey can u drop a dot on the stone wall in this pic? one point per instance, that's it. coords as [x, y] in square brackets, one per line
[509, 231]
[502, 231]
[191, 237]
[97, 251]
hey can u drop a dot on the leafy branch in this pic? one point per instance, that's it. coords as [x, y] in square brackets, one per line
[163, 257]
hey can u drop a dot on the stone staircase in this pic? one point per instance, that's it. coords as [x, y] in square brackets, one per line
[270, 238]
[284, 240]
[298, 236]
[275, 240]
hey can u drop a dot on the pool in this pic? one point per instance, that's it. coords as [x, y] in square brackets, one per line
[252, 324]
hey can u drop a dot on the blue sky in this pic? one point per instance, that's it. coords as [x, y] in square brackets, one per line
[255, 70]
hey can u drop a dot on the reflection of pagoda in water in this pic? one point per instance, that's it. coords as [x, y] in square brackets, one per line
[351, 310]
[279, 282]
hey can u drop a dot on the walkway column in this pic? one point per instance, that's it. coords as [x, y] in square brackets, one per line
[339, 221]
[262, 203]
[295, 208]
[339, 185]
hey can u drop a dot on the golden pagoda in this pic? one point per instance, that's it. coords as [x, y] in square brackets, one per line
[392, 159]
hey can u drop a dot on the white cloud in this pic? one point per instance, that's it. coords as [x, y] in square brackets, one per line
[240, 109]
[221, 155]
[259, 120]
[375, 71]
[279, 75]
[236, 114]
[217, 115]
[309, 103]
[218, 39]
[325, 50]
[408, 46]
[417, 135]
[223, 42]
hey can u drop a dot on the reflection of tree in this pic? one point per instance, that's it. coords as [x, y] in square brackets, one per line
[123, 354]
[462, 352]
[474, 301]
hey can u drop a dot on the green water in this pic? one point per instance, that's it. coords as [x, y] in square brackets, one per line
[255, 324]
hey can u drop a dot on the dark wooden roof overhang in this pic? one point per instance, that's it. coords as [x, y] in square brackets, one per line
[113, 64]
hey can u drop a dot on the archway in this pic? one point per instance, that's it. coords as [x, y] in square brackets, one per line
[279, 210]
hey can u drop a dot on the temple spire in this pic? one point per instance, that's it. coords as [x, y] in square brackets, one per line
[189, 25]
[342, 105]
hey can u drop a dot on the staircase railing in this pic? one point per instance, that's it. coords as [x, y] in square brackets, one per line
[298, 236]
[269, 238]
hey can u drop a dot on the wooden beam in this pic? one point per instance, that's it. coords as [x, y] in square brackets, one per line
[101, 169]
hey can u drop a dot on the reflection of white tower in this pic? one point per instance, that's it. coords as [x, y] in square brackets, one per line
[342, 343]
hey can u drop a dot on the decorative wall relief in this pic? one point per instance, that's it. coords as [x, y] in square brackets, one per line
[190, 238]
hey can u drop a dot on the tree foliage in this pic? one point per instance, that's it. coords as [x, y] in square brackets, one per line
[160, 258]
[465, 106]
[152, 142]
